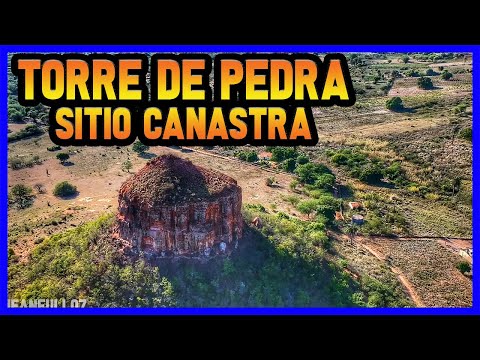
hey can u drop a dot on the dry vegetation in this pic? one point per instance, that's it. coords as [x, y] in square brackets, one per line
[431, 269]
[427, 138]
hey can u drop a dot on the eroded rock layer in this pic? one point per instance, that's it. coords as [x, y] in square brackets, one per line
[172, 207]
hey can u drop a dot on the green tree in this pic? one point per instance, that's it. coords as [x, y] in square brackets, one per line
[289, 165]
[15, 116]
[430, 72]
[446, 75]
[405, 59]
[412, 73]
[167, 297]
[64, 189]
[394, 173]
[139, 147]
[252, 156]
[395, 74]
[325, 182]
[308, 173]
[21, 195]
[280, 153]
[351, 230]
[63, 157]
[307, 207]
[395, 103]
[371, 173]
[464, 267]
[248, 155]
[302, 159]
[326, 206]
[425, 83]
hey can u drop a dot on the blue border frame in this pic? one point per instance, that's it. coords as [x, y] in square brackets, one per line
[4, 50]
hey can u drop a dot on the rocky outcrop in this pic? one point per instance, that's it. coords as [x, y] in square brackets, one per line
[174, 208]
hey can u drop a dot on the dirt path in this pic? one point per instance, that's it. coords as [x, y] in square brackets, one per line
[408, 286]
[401, 277]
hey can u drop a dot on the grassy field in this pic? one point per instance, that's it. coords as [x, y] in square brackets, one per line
[427, 143]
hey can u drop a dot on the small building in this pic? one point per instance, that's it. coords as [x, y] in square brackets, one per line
[354, 205]
[357, 219]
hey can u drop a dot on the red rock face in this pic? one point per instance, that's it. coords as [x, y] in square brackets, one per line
[195, 212]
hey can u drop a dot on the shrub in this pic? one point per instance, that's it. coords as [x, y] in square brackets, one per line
[127, 166]
[15, 116]
[466, 134]
[247, 155]
[139, 147]
[294, 200]
[325, 205]
[302, 159]
[257, 207]
[405, 59]
[293, 185]
[36, 160]
[376, 226]
[359, 90]
[307, 206]
[432, 196]
[54, 148]
[371, 173]
[370, 170]
[385, 89]
[446, 75]
[29, 131]
[80, 263]
[325, 182]
[308, 173]
[16, 163]
[430, 72]
[289, 165]
[21, 195]
[395, 173]
[63, 157]
[425, 83]
[460, 109]
[64, 189]
[412, 73]
[394, 104]
[280, 153]
[464, 267]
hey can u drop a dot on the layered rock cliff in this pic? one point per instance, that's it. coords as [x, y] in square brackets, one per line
[174, 208]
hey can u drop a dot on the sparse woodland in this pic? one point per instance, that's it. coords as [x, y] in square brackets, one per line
[404, 151]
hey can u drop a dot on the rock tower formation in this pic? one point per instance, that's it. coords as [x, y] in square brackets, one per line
[174, 208]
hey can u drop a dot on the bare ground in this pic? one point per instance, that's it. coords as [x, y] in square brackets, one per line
[428, 268]
[97, 174]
